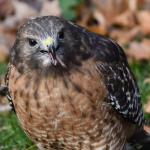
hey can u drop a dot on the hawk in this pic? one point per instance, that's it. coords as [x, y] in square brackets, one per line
[72, 89]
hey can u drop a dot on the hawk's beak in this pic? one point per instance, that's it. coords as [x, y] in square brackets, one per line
[51, 47]
[50, 44]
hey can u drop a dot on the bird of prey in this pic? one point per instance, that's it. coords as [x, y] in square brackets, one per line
[72, 89]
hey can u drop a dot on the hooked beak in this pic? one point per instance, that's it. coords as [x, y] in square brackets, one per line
[50, 48]
[51, 52]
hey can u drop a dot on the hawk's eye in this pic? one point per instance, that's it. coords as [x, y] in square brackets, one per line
[61, 35]
[32, 42]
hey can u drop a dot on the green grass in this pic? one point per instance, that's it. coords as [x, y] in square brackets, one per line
[69, 8]
[13, 138]
[142, 72]
[11, 135]
[3, 68]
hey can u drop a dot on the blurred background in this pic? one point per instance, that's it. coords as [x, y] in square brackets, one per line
[126, 21]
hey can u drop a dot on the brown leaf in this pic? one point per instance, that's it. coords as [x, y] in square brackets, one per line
[4, 44]
[126, 19]
[84, 14]
[36, 4]
[23, 10]
[99, 17]
[144, 4]
[6, 8]
[7, 37]
[101, 26]
[144, 21]
[88, 21]
[98, 29]
[139, 51]
[147, 81]
[147, 107]
[133, 5]
[51, 8]
[147, 129]
[124, 36]
[4, 53]
[110, 8]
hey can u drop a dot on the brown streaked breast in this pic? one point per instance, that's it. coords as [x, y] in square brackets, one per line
[66, 111]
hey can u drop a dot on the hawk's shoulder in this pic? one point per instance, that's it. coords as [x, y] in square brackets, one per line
[123, 92]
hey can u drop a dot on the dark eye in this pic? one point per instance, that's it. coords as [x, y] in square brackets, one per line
[32, 42]
[61, 35]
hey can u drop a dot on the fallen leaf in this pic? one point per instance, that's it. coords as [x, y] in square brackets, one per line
[99, 17]
[147, 129]
[94, 22]
[7, 38]
[98, 29]
[22, 11]
[50, 8]
[36, 4]
[133, 5]
[144, 21]
[110, 8]
[4, 53]
[147, 107]
[6, 8]
[139, 51]
[101, 26]
[144, 4]
[147, 81]
[126, 19]
[125, 36]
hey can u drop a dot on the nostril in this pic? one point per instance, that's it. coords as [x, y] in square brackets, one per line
[43, 51]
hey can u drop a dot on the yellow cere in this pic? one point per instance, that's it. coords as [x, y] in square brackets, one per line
[48, 41]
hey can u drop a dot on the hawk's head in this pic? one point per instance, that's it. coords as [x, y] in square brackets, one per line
[48, 42]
